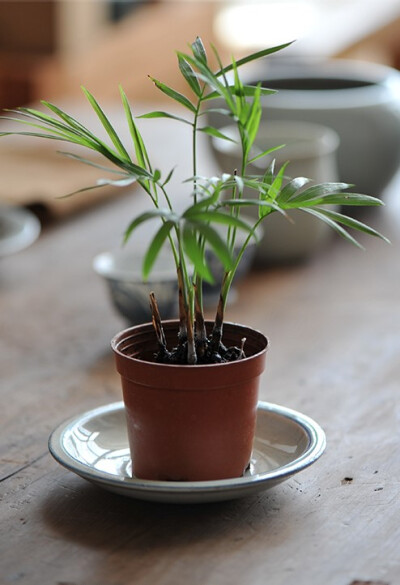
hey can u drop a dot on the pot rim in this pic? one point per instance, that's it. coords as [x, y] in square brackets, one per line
[122, 336]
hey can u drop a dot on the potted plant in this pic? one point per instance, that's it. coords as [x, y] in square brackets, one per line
[190, 386]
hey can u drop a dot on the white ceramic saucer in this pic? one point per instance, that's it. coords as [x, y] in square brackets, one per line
[19, 228]
[95, 446]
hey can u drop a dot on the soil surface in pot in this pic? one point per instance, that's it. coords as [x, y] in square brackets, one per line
[208, 351]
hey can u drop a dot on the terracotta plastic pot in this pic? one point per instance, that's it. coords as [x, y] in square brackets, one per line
[189, 423]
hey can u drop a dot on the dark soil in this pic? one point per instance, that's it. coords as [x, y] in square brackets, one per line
[206, 354]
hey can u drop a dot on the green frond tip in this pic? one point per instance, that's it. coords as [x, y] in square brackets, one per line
[155, 248]
[107, 125]
[199, 51]
[255, 56]
[336, 220]
[138, 143]
[173, 94]
[189, 75]
[195, 252]
[161, 213]
[82, 190]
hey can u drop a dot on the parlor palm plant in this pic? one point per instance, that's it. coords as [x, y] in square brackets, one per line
[214, 200]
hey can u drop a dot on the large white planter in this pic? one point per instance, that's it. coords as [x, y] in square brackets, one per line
[311, 150]
[360, 101]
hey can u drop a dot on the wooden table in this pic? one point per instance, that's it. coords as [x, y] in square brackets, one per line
[334, 327]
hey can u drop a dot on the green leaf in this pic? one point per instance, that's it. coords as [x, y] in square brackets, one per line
[222, 111]
[57, 131]
[219, 91]
[320, 214]
[160, 114]
[238, 88]
[89, 162]
[140, 149]
[272, 191]
[254, 57]
[82, 190]
[269, 173]
[342, 199]
[254, 183]
[125, 182]
[317, 191]
[138, 171]
[266, 152]
[213, 192]
[169, 176]
[290, 189]
[42, 117]
[218, 58]
[218, 217]
[189, 75]
[107, 125]
[239, 183]
[216, 243]
[267, 205]
[199, 51]
[69, 120]
[162, 213]
[74, 124]
[195, 253]
[350, 222]
[40, 135]
[156, 175]
[155, 247]
[175, 95]
[251, 90]
[54, 131]
[246, 90]
[252, 123]
[211, 131]
[205, 74]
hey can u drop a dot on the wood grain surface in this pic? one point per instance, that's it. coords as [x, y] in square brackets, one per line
[334, 328]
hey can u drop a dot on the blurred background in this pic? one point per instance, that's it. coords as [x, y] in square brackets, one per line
[49, 47]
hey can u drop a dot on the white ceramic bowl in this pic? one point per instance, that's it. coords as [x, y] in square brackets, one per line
[311, 149]
[359, 100]
[19, 228]
[122, 271]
